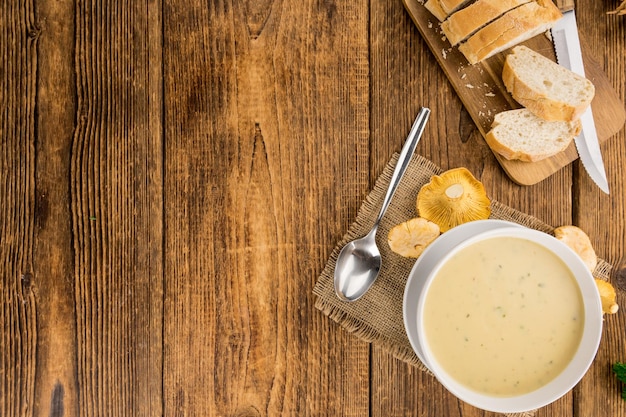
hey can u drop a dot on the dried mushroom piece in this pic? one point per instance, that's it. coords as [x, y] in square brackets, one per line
[409, 239]
[579, 242]
[607, 296]
[453, 198]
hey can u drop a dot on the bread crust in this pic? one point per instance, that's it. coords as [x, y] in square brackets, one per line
[536, 101]
[512, 154]
[513, 27]
[441, 9]
[450, 6]
[463, 23]
[508, 153]
[434, 7]
[557, 143]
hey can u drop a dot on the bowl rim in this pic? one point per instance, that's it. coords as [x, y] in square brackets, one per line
[578, 365]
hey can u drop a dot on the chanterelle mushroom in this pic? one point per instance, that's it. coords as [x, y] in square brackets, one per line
[409, 239]
[607, 296]
[453, 198]
[579, 242]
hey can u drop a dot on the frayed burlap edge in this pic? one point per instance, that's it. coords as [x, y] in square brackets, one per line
[375, 317]
[366, 333]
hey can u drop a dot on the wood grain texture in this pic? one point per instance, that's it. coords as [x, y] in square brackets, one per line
[174, 176]
[99, 265]
[266, 163]
[56, 389]
[116, 211]
[18, 304]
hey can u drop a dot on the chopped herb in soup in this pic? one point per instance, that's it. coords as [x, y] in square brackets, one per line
[504, 316]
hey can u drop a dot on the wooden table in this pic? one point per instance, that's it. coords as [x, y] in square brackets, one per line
[176, 174]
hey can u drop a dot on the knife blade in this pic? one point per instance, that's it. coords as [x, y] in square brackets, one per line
[568, 54]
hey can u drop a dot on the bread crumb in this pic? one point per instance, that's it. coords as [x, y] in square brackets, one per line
[490, 94]
[469, 86]
[548, 34]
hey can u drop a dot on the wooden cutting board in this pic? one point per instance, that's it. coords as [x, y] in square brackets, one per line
[484, 95]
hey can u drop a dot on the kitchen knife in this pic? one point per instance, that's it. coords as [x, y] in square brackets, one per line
[568, 54]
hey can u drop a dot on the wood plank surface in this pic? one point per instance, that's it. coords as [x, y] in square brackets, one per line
[53, 278]
[18, 308]
[174, 176]
[114, 186]
[81, 210]
[266, 163]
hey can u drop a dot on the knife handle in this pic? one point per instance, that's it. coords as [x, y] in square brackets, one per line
[564, 5]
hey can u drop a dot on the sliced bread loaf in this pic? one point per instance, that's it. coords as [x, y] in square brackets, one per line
[434, 7]
[549, 90]
[451, 6]
[441, 9]
[513, 27]
[519, 134]
[468, 20]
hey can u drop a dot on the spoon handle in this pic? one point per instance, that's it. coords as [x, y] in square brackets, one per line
[405, 157]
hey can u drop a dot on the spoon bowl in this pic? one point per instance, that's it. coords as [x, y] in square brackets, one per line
[357, 267]
[359, 262]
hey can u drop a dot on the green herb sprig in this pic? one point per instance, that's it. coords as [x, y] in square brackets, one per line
[619, 369]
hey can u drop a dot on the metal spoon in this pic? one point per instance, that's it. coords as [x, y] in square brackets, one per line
[358, 263]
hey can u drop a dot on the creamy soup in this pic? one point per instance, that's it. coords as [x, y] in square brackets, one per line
[504, 316]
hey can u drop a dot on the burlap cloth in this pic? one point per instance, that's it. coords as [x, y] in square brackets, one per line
[377, 316]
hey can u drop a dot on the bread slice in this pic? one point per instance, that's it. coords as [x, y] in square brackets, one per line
[513, 27]
[434, 7]
[468, 20]
[451, 6]
[549, 90]
[441, 9]
[519, 134]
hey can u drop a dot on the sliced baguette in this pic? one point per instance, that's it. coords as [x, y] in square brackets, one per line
[441, 9]
[513, 27]
[451, 6]
[549, 90]
[434, 7]
[520, 135]
[465, 22]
